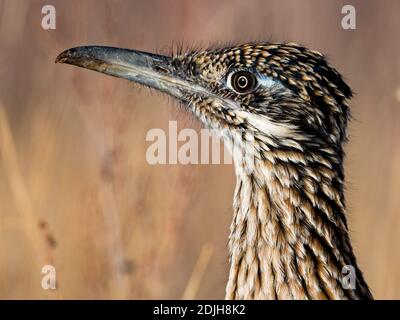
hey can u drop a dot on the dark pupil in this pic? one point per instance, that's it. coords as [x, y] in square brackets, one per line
[243, 81]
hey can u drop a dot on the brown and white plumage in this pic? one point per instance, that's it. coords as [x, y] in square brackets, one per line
[283, 111]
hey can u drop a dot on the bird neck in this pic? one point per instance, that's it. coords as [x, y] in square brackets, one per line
[289, 237]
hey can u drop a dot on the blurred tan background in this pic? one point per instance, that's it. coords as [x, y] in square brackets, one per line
[76, 190]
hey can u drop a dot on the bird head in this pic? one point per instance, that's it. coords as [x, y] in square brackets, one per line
[276, 97]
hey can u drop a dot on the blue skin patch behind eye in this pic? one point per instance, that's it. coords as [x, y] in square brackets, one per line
[267, 82]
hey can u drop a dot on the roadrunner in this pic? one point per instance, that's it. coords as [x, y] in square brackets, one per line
[287, 108]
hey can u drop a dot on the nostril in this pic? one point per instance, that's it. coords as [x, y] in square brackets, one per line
[161, 69]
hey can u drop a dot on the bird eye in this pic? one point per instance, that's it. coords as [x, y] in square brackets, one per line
[242, 81]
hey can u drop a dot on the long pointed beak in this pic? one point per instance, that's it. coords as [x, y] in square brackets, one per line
[155, 71]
